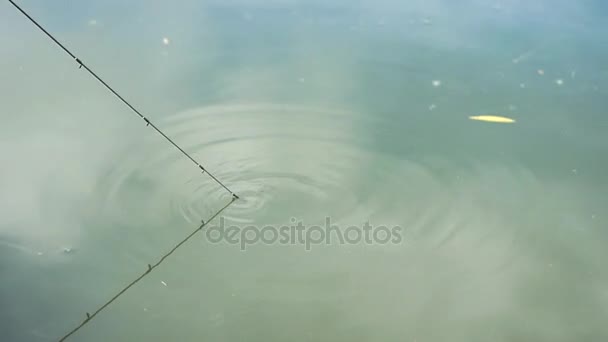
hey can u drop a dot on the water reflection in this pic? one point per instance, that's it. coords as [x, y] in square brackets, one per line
[358, 111]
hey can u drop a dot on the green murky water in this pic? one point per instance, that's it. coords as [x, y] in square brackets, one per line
[354, 111]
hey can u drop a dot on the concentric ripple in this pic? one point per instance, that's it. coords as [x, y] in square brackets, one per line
[305, 163]
[282, 161]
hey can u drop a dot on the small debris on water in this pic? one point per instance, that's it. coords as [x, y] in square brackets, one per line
[436, 83]
[162, 282]
[432, 107]
[67, 250]
[540, 72]
[166, 41]
[559, 82]
[492, 118]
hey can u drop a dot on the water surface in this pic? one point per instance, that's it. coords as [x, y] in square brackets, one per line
[358, 111]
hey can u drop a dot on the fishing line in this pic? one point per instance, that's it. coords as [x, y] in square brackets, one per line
[81, 64]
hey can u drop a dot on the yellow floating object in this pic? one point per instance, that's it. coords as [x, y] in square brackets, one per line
[492, 118]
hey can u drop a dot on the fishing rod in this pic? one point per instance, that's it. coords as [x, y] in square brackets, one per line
[150, 267]
[81, 64]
